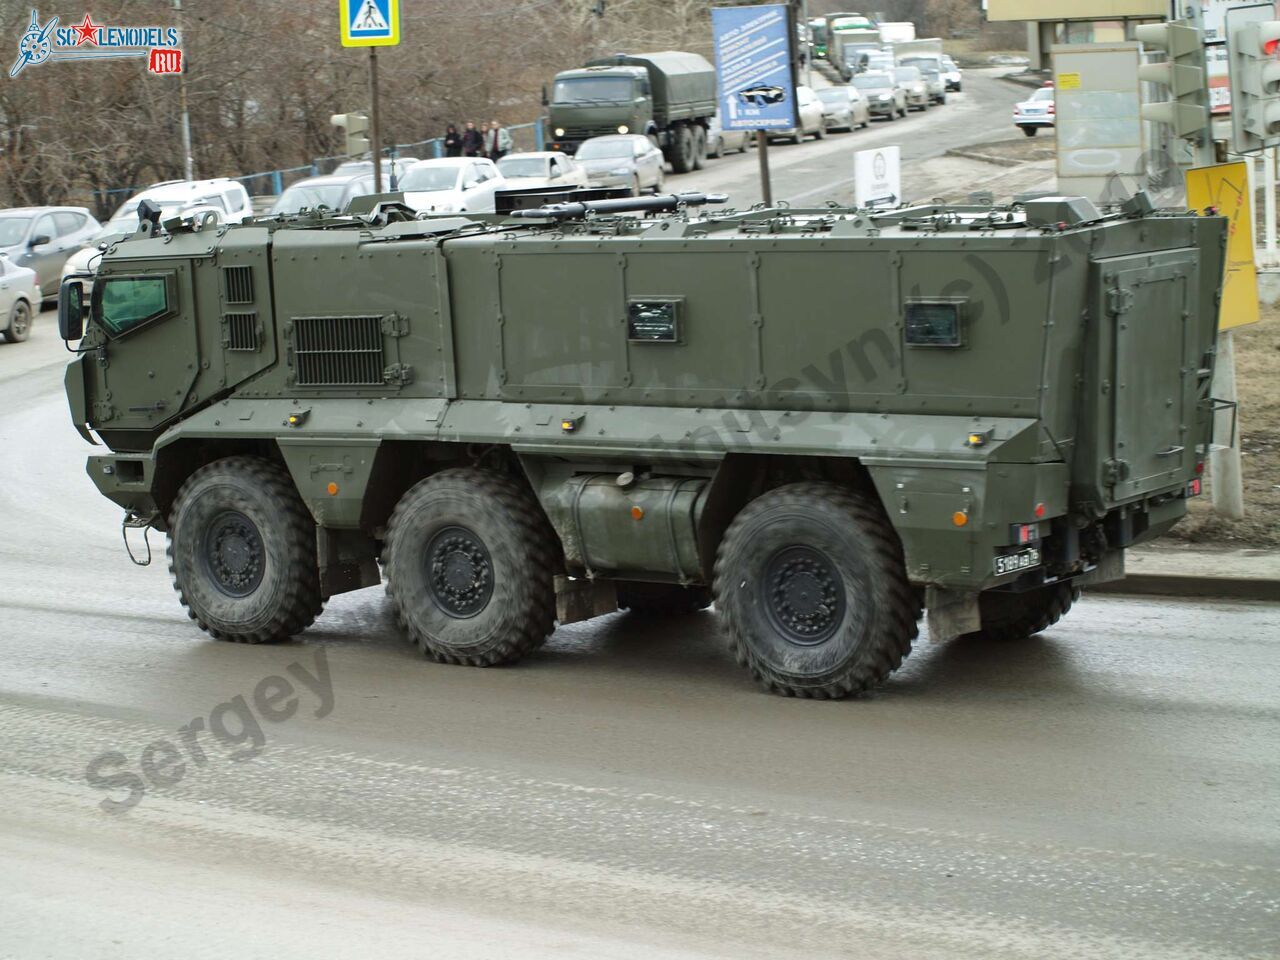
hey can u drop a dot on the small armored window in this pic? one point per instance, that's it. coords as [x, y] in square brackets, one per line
[934, 323]
[653, 320]
[123, 304]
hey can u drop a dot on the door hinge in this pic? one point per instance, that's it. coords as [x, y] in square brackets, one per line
[1113, 471]
[394, 325]
[1119, 300]
[398, 373]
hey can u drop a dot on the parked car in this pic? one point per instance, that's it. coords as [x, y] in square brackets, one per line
[931, 71]
[543, 168]
[912, 81]
[810, 109]
[720, 141]
[42, 238]
[20, 297]
[334, 191]
[1034, 112]
[452, 185]
[884, 95]
[843, 108]
[952, 74]
[623, 160]
[227, 197]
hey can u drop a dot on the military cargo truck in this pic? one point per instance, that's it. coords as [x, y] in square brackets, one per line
[546, 416]
[669, 96]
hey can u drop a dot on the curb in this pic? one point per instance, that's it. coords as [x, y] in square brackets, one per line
[984, 157]
[1183, 585]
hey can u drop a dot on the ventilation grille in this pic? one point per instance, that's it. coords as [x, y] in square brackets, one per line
[237, 284]
[338, 351]
[241, 331]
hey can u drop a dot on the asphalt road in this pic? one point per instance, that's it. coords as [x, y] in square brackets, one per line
[1107, 789]
[817, 171]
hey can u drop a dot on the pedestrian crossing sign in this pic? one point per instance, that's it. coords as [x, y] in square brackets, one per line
[369, 23]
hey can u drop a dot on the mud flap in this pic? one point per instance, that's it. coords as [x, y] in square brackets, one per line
[581, 599]
[952, 613]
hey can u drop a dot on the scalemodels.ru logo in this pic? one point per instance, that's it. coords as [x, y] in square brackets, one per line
[97, 41]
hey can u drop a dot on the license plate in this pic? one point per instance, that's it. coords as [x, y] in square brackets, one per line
[1015, 562]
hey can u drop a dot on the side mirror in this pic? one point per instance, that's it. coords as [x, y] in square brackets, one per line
[545, 99]
[39, 240]
[71, 310]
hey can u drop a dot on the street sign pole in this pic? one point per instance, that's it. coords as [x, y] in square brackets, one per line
[375, 124]
[762, 149]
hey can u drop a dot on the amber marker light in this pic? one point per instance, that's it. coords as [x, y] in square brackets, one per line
[333, 489]
[637, 513]
[960, 518]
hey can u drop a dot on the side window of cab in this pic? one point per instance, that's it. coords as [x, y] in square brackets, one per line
[124, 304]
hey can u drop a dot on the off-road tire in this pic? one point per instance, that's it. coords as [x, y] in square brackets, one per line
[661, 599]
[511, 585]
[699, 148]
[1016, 616]
[840, 540]
[242, 552]
[19, 327]
[682, 150]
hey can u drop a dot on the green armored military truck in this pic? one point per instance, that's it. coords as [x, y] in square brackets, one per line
[669, 96]
[545, 416]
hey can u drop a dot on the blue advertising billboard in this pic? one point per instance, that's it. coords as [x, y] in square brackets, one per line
[753, 67]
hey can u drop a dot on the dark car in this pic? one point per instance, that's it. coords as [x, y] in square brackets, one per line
[42, 238]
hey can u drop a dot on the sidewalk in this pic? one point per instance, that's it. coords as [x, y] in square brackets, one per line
[1173, 569]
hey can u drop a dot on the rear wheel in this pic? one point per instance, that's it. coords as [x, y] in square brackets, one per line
[1029, 131]
[699, 148]
[821, 132]
[682, 150]
[812, 590]
[661, 599]
[19, 327]
[242, 552]
[660, 183]
[1015, 616]
[470, 566]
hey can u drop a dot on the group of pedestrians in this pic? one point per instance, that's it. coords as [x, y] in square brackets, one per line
[493, 141]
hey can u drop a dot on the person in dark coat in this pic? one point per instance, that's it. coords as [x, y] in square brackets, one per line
[472, 141]
[452, 141]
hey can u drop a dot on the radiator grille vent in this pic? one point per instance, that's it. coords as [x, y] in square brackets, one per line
[237, 284]
[338, 351]
[242, 331]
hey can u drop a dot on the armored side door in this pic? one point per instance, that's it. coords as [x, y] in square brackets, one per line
[1148, 329]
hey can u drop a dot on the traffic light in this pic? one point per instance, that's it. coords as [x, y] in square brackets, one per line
[356, 128]
[1182, 73]
[1253, 38]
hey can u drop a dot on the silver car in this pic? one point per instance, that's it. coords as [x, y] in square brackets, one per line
[333, 191]
[843, 108]
[622, 160]
[913, 83]
[42, 238]
[720, 141]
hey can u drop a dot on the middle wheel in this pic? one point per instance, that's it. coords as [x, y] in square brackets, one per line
[470, 567]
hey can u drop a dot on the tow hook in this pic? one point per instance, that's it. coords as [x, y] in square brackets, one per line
[134, 521]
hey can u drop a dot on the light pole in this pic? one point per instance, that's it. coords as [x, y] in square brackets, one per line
[188, 161]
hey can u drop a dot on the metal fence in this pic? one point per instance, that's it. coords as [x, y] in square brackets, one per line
[271, 183]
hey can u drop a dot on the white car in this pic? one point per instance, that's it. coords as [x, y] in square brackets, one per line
[542, 168]
[952, 74]
[228, 198]
[720, 141]
[1035, 112]
[20, 298]
[125, 221]
[452, 185]
[811, 120]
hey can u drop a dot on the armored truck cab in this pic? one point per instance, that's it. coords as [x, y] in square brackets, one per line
[823, 419]
[669, 96]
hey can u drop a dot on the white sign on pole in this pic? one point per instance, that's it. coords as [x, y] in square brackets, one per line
[877, 176]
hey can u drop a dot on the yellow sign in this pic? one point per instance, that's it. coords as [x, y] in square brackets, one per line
[369, 23]
[1226, 187]
[1079, 9]
[1068, 81]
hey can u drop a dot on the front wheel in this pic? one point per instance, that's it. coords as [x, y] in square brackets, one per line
[821, 133]
[812, 590]
[660, 183]
[470, 565]
[1015, 616]
[19, 322]
[635, 185]
[242, 552]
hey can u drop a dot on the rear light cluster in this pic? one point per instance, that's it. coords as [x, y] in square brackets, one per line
[1193, 488]
[1024, 533]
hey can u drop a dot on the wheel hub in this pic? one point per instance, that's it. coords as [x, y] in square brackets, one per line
[459, 572]
[804, 595]
[233, 554]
